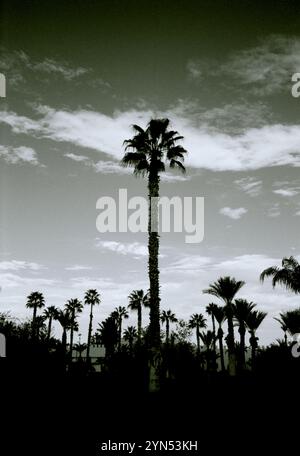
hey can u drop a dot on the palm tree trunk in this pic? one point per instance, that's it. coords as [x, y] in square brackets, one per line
[33, 328]
[230, 341]
[89, 334]
[220, 336]
[153, 249]
[64, 341]
[214, 331]
[198, 341]
[242, 331]
[285, 338]
[72, 334]
[120, 334]
[253, 344]
[167, 331]
[49, 329]
[139, 323]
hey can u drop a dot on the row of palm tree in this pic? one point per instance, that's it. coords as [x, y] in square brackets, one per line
[238, 311]
[67, 317]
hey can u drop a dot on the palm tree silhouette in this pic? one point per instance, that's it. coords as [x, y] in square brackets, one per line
[288, 275]
[147, 151]
[65, 319]
[167, 316]
[108, 334]
[129, 336]
[225, 288]
[118, 314]
[39, 324]
[91, 298]
[35, 301]
[197, 321]
[210, 310]
[138, 299]
[253, 321]
[74, 306]
[241, 310]
[50, 313]
[220, 317]
[290, 322]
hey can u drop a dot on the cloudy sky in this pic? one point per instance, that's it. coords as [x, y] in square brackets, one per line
[79, 74]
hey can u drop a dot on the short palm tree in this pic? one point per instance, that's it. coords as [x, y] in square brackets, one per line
[119, 313]
[50, 313]
[290, 322]
[197, 321]
[225, 288]
[108, 334]
[167, 317]
[147, 152]
[288, 275]
[74, 306]
[130, 335]
[91, 298]
[220, 317]
[138, 299]
[39, 325]
[65, 320]
[241, 310]
[35, 301]
[210, 310]
[253, 321]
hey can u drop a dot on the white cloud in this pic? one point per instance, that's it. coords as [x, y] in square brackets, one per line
[274, 211]
[135, 248]
[17, 265]
[188, 265]
[194, 69]
[249, 185]
[10, 280]
[234, 214]
[18, 155]
[268, 67]
[76, 157]
[78, 267]
[270, 145]
[286, 192]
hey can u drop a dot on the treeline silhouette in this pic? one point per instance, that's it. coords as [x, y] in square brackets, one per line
[217, 353]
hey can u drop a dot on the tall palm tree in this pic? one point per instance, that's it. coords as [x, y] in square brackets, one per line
[74, 306]
[130, 335]
[50, 313]
[119, 313]
[210, 310]
[241, 310]
[167, 316]
[254, 320]
[220, 317]
[35, 301]
[225, 288]
[91, 298]
[288, 275]
[290, 322]
[138, 299]
[197, 321]
[147, 152]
